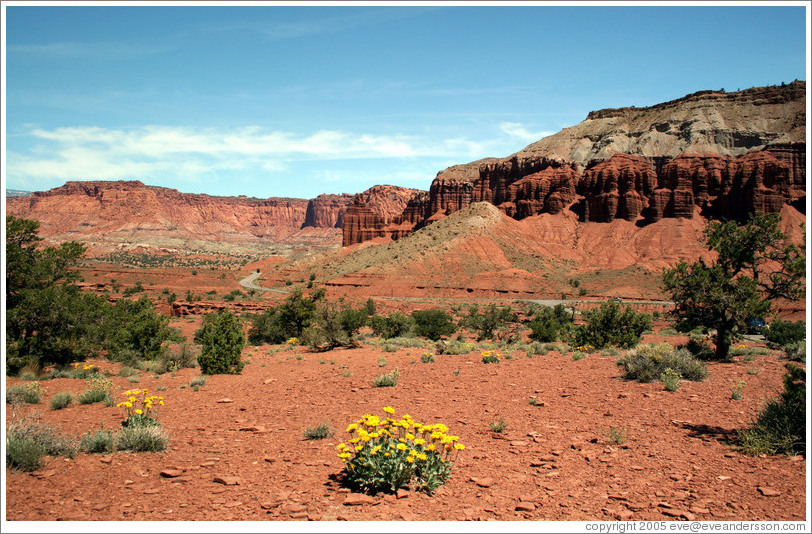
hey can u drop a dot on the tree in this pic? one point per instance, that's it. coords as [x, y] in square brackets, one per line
[433, 324]
[550, 324]
[47, 316]
[222, 340]
[140, 331]
[753, 265]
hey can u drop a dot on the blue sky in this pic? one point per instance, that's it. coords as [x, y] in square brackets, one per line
[296, 101]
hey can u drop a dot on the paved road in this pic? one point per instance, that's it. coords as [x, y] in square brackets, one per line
[248, 282]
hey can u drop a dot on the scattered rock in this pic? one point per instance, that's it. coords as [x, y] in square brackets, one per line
[99, 507]
[44, 474]
[518, 443]
[225, 401]
[293, 508]
[524, 506]
[268, 505]
[171, 473]
[401, 494]
[269, 459]
[268, 380]
[624, 515]
[699, 510]
[227, 480]
[769, 492]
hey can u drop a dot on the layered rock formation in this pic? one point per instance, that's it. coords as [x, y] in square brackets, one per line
[131, 212]
[724, 154]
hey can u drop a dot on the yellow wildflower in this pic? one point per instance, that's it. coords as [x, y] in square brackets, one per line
[139, 412]
[402, 447]
[459, 446]
[422, 456]
[389, 410]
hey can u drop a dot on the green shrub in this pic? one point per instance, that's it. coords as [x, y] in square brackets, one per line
[30, 393]
[99, 389]
[701, 349]
[27, 441]
[647, 363]
[388, 379]
[498, 426]
[485, 324]
[222, 340]
[550, 324]
[427, 357]
[382, 361]
[609, 325]
[99, 442]
[199, 381]
[289, 319]
[618, 435]
[61, 400]
[781, 424]
[782, 333]
[321, 431]
[126, 371]
[433, 324]
[142, 439]
[455, 347]
[796, 351]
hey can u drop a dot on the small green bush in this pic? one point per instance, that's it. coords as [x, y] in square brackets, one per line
[61, 400]
[427, 357]
[611, 325]
[30, 393]
[498, 426]
[321, 431]
[99, 442]
[148, 438]
[382, 362]
[455, 347]
[23, 453]
[199, 381]
[618, 435]
[647, 363]
[701, 349]
[388, 379]
[671, 379]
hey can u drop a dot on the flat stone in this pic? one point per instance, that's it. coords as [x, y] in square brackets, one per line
[99, 507]
[769, 492]
[358, 499]
[401, 494]
[268, 380]
[519, 443]
[44, 474]
[482, 482]
[227, 480]
[524, 506]
[269, 459]
[207, 464]
[699, 510]
[106, 460]
[225, 401]
[171, 473]
[269, 505]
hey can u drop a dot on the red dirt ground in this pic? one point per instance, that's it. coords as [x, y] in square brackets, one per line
[554, 461]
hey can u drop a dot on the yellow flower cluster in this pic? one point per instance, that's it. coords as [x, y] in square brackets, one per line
[584, 348]
[293, 341]
[373, 435]
[491, 356]
[89, 369]
[148, 404]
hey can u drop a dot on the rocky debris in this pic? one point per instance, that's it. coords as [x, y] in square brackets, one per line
[171, 472]
[769, 492]
[484, 482]
[225, 400]
[258, 429]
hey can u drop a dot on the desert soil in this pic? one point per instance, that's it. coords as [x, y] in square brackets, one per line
[554, 461]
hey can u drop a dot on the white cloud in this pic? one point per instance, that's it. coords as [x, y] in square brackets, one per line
[519, 131]
[42, 158]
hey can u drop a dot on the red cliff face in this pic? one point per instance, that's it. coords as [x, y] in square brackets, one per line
[327, 211]
[617, 188]
[624, 186]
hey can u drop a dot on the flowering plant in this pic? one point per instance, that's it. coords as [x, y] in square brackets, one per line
[491, 356]
[388, 454]
[84, 370]
[293, 341]
[140, 412]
